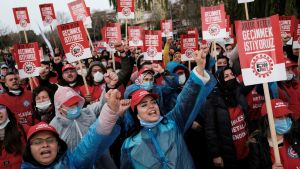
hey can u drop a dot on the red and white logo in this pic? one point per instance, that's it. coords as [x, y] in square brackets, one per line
[189, 53]
[23, 23]
[151, 52]
[262, 65]
[48, 19]
[126, 11]
[28, 67]
[214, 29]
[77, 49]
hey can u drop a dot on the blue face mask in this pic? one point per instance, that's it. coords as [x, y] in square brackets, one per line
[282, 126]
[150, 124]
[73, 113]
[147, 85]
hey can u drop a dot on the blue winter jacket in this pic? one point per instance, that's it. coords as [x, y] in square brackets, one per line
[163, 146]
[91, 146]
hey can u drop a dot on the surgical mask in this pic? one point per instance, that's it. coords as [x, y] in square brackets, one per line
[289, 76]
[150, 124]
[181, 79]
[43, 105]
[72, 84]
[118, 70]
[282, 126]
[98, 77]
[73, 113]
[82, 72]
[147, 85]
[15, 92]
[4, 124]
[104, 64]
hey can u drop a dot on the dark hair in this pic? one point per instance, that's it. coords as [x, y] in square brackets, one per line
[27, 156]
[10, 73]
[45, 62]
[37, 91]
[89, 77]
[14, 135]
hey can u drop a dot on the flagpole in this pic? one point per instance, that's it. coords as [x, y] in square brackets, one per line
[83, 77]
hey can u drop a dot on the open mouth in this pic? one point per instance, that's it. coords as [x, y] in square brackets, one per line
[152, 113]
[45, 153]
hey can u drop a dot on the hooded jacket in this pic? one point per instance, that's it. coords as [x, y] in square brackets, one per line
[163, 146]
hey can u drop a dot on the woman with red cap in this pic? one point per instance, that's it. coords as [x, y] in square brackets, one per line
[156, 141]
[261, 155]
[45, 148]
[12, 140]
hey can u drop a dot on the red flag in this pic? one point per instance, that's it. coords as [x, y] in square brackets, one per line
[21, 18]
[47, 13]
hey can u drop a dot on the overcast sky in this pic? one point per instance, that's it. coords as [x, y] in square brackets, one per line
[7, 18]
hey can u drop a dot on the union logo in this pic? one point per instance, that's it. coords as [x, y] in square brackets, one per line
[262, 65]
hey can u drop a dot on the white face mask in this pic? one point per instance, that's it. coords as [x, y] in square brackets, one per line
[82, 72]
[72, 84]
[98, 77]
[4, 124]
[15, 92]
[118, 70]
[104, 64]
[289, 76]
[43, 105]
[181, 79]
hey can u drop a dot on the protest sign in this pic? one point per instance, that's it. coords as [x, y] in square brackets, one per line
[296, 37]
[166, 28]
[152, 45]
[27, 59]
[245, 1]
[22, 18]
[260, 50]
[287, 25]
[74, 41]
[189, 44]
[79, 12]
[213, 22]
[112, 34]
[48, 14]
[125, 9]
[135, 36]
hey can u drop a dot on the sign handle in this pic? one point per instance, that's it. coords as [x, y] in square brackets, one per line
[271, 123]
[90, 40]
[126, 22]
[246, 11]
[30, 84]
[298, 68]
[214, 49]
[83, 77]
[25, 34]
[53, 36]
[114, 60]
[190, 66]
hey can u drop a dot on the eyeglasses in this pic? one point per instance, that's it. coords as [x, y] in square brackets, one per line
[40, 141]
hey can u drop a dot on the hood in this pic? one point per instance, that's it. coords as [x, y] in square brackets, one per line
[63, 94]
[130, 89]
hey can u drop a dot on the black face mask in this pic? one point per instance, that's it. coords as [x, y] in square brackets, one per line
[231, 84]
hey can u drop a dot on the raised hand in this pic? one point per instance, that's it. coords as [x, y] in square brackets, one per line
[200, 58]
[124, 105]
[157, 68]
[113, 98]
[111, 79]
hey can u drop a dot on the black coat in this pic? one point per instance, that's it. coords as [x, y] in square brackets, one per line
[218, 126]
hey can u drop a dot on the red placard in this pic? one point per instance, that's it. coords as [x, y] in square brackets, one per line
[21, 18]
[166, 28]
[74, 41]
[213, 22]
[152, 45]
[47, 13]
[88, 9]
[79, 12]
[125, 9]
[287, 25]
[135, 36]
[112, 34]
[296, 37]
[260, 50]
[188, 44]
[28, 59]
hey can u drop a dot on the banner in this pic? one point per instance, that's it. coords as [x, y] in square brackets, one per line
[244, 1]
[125, 9]
[296, 38]
[48, 14]
[166, 28]
[135, 36]
[22, 18]
[260, 50]
[213, 22]
[27, 59]
[79, 12]
[189, 44]
[74, 41]
[152, 45]
[112, 34]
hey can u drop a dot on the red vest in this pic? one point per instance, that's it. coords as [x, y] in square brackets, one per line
[95, 91]
[21, 106]
[239, 132]
[255, 101]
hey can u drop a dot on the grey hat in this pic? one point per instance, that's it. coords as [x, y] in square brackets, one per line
[4, 66]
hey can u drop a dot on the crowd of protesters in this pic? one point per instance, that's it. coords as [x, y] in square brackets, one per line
[135, 113]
